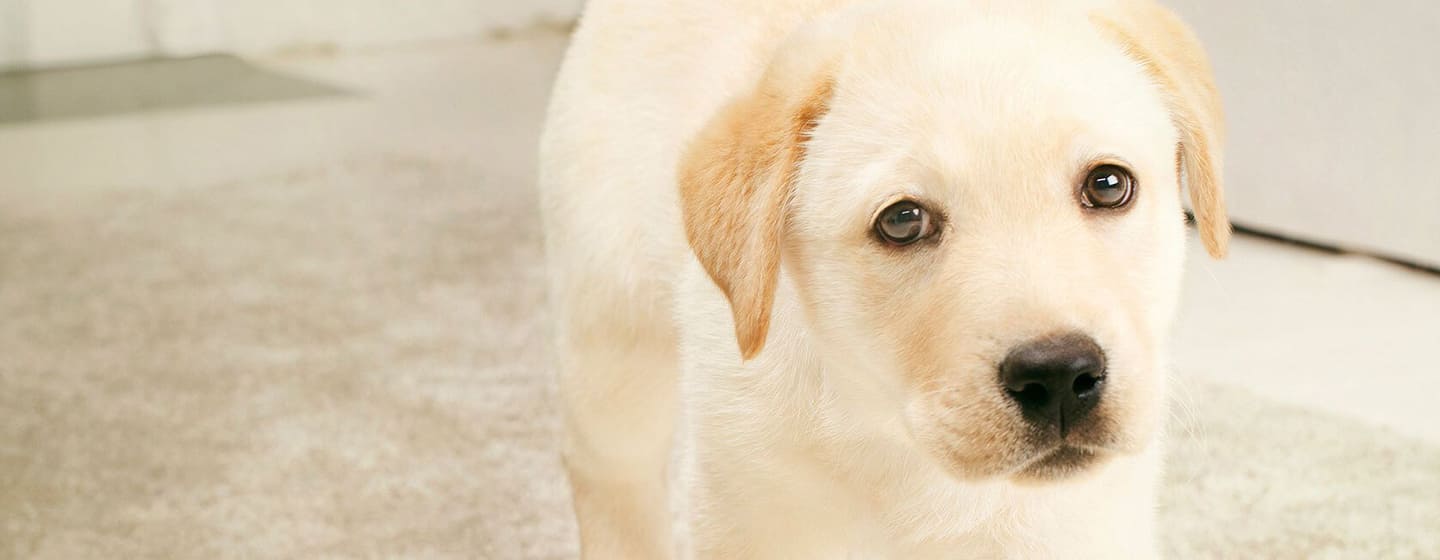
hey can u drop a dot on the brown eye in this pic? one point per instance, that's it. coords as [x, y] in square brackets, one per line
[903, 223]
[1107, 186]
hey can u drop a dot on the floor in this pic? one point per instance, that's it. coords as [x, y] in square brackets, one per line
[309, 326]
[1343, 334]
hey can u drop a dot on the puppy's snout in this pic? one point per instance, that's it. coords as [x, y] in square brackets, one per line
[1057, 380]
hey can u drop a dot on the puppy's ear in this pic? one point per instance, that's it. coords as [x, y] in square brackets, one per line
[736, 179]
[1171, 54]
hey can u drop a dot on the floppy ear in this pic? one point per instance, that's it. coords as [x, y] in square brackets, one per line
[735, 183]
[1171, 54]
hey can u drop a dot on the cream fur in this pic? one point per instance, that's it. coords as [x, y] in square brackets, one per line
[868, 423]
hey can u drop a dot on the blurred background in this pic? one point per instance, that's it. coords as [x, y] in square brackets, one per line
[270, 283]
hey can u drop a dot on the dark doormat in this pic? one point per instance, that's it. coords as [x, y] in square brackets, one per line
[147, 85]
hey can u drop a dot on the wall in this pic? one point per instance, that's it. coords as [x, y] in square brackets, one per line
[50, 32]
[1334, 118]
[45, 33]
[255, 25]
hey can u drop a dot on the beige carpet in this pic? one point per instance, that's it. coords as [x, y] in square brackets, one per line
[349, 361]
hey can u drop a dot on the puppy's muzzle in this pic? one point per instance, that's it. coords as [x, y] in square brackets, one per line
[1057, 380]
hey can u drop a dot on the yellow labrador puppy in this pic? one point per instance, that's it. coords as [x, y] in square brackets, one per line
[896, 275]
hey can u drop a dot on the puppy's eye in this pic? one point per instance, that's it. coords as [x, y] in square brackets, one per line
[903, 223]
[1107, 186]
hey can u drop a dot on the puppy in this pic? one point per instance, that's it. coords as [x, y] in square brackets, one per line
[899, 271]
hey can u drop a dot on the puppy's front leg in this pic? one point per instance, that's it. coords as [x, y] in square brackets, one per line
[763, 512]
[619, 407]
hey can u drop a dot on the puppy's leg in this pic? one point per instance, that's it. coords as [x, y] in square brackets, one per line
[618, 391]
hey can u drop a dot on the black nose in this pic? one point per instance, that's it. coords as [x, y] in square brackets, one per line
[1057, 379]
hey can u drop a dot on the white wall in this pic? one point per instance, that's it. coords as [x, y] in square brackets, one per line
[256, 25]
[49, 32]
[43, 33]
[1334, 117]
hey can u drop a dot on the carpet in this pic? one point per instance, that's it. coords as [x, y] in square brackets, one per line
[350, 361]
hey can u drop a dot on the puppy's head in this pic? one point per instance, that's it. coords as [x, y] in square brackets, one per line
[980, 210]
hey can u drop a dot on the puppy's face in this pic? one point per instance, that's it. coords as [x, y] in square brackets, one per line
[984, 227]
[984, 195]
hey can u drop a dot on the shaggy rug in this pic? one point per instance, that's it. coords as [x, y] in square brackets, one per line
[350, 361]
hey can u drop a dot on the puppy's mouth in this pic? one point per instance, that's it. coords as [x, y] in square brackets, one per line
[1059, 462]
